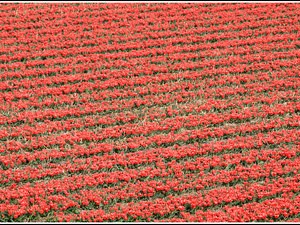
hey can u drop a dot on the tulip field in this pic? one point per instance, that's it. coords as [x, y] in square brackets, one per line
[149, 112]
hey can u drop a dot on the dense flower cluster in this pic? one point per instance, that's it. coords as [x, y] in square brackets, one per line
[150, 112]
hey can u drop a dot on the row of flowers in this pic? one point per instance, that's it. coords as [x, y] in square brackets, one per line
[147, 118]
[37, 197]
[230, 38]
[90, 164]
[142, 138]
[179, 96]
[147, 62]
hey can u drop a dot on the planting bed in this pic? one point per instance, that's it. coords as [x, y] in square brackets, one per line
[149, 112]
